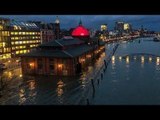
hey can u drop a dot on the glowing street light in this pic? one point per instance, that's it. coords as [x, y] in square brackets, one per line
[120, 58]
[142, 59]
[127, 59]
[150, 59]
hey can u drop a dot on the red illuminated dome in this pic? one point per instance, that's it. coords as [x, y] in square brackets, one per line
[80, 31]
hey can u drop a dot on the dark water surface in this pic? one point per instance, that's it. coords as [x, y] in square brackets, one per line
[132, 77]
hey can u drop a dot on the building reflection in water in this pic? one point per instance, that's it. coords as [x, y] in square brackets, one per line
[9, 75]
[32, 90]
[113, 61]
[22, 97]
[60, 91]
[134, 57]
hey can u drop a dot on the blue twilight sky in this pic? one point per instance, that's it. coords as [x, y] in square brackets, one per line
[151, 22]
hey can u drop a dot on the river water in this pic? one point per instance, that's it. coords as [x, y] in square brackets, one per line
[131, 78]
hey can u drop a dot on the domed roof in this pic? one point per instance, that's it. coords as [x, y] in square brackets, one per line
[80, 31]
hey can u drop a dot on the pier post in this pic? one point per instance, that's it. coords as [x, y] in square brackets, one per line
[101, 76]
[98, 81]
[93, 85]
[105, 63]
[93, 88]
[87, 101]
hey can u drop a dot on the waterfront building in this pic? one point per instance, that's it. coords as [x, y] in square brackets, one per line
[67, 56]
[82, 33]
[5, 44]
[24, 37]
[17, 37]
[46, 31]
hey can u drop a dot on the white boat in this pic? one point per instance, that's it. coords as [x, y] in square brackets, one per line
[156, 38]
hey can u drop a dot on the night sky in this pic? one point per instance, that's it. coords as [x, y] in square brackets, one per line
[151, 22]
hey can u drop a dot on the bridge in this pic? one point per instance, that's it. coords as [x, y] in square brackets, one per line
[140, 54]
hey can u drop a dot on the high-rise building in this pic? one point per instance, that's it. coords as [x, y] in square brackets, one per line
[104, 27]
[119, 26]
[122, 27]
[127, 27]
[5, 44]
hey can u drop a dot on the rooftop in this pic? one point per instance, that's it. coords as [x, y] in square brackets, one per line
[62, 42]
[26, 25]
[69, 53]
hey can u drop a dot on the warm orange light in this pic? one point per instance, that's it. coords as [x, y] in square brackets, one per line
[88, 56]
[82, 60]
[31, 64]
[59, 65]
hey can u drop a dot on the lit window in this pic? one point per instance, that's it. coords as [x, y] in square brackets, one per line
[17, 52]
[16, 38]
[1, 27]
[16, 33]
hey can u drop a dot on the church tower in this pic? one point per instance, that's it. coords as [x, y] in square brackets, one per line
[57, 28]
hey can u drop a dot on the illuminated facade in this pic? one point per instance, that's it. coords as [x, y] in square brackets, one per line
[24, 37]
[82, 33]
[5, 45]
[127, 27]
[104, 27]
[46, 31]
[122, 27]
[63, 57]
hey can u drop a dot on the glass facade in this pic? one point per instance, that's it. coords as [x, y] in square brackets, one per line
[5, 45]
[23, 41]
[17, 38]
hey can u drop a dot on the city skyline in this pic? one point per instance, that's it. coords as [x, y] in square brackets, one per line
[150, 22]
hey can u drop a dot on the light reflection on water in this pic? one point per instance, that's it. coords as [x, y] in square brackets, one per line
[136, 76]
[43, 90]
[128, 80]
